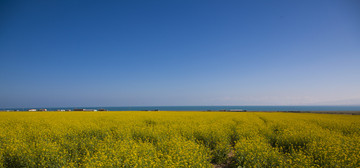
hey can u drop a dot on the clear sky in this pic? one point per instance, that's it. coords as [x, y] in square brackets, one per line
[179, 52]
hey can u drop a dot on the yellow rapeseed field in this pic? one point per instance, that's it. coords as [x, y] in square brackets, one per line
[178, 139]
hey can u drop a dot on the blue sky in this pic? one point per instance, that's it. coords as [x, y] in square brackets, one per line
[141, 53]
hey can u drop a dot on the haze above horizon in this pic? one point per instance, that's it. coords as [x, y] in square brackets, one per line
[169, 53]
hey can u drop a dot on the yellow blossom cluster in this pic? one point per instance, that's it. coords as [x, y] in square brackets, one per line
[178, 139]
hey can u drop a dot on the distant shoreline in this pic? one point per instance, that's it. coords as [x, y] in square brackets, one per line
[334, 108]
[313, 112]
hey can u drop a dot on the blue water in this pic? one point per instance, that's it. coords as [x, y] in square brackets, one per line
[214, 108]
